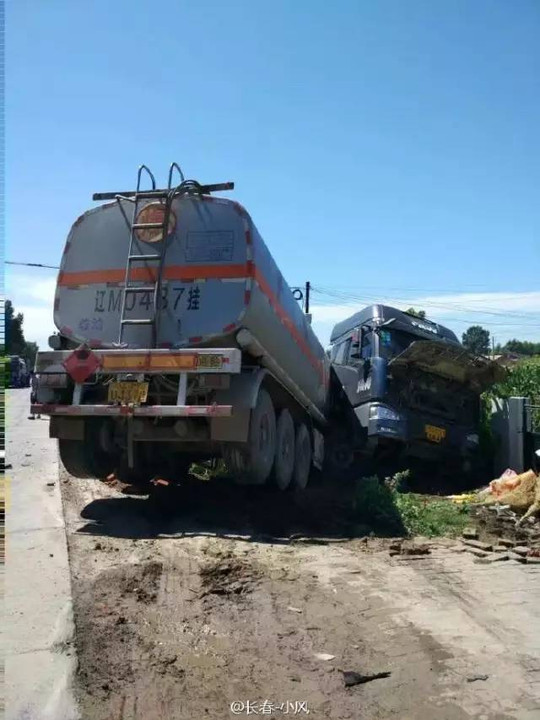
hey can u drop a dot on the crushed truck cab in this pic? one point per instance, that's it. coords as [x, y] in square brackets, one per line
[414, 388]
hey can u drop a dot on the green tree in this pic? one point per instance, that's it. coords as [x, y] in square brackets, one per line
[15, 342]
[416, 313]
[522, 347]
[476, 339]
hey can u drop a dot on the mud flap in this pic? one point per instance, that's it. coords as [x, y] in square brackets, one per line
[66, 428]
[242, 395]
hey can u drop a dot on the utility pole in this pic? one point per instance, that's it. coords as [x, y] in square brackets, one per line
[308, 288]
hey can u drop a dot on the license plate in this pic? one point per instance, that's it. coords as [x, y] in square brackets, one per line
[210, 362]
[434, 433]
[128, 393]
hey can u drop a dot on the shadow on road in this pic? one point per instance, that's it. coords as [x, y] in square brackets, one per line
[223, 509]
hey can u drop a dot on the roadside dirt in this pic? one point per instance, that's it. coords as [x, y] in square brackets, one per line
[225, 599]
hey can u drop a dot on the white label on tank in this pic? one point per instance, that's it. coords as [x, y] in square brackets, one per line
[209, 246]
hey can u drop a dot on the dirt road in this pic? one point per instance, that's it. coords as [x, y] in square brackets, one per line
[200, 613]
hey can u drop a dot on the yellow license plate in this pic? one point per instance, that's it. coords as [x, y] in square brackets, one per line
[434, 433]
[128, 393]
[210, 362]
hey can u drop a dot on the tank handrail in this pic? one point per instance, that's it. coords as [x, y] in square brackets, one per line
[175, 166]
[159, 193]
[146, 169]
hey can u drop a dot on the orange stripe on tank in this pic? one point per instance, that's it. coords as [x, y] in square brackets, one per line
[197, 272]
[149, 274]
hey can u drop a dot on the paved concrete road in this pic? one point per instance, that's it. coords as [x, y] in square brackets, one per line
[38, 636]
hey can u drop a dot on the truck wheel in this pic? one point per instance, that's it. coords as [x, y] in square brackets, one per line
[251, 463]
[285, 457]
[82, 460]
[339, 458]
[302, 457]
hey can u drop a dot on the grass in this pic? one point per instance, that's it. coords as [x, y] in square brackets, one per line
[389, 510]
[432, 517]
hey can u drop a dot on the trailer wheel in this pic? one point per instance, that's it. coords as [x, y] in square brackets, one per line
[302, 457]
[285, 456]
[252, 462]
[83, 460]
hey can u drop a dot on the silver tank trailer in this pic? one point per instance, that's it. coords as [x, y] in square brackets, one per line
[220, 287]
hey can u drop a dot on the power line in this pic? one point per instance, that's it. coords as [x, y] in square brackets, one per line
[38, 265]
[340, 295]
[522, 325]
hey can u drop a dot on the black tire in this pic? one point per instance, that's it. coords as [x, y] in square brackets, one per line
[84, 460]
[252, 462]
[285, 451]
[302, 458]
[339, 459]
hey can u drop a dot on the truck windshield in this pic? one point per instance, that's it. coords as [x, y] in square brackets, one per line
[394, 342]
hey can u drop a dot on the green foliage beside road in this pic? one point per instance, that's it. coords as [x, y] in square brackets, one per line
[432, 517]
[522, 347]
[16, 343]
[523, 380]
[387, 509]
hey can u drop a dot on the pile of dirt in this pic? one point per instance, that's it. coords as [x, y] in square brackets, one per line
[106, 634]
[144, 584]
[227, 576]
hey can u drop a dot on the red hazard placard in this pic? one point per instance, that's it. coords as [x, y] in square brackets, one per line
[81, 364]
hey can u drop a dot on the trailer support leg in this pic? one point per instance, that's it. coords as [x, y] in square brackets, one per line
[182, 389]
[130, 447]
[77, 394]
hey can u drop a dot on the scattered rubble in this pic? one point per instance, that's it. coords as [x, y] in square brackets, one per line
[504, 548]
[474, 678]
[403, 547]
[493, 558]
[351, 678]
[477, 553]
[478, 545]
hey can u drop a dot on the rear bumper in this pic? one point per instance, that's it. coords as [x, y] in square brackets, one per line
[138, 411]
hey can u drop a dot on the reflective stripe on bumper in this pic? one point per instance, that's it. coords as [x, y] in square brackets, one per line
[140, 411]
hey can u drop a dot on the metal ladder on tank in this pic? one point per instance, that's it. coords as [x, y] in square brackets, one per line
[156, 259]
[165, 196]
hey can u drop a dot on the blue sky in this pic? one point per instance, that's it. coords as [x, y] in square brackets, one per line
[386, 150]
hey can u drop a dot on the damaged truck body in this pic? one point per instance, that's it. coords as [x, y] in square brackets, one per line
[179, 340]
[414, 388]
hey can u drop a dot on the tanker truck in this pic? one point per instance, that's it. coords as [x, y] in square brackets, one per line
[179, 340]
